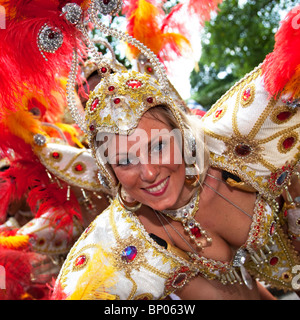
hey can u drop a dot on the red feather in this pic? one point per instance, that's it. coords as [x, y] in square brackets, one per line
[17, 266]
[22, 65]
[53, 199]
[280, 65]
[27, 177]
[58, 293]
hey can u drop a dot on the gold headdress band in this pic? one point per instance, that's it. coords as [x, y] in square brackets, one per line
[104, 67]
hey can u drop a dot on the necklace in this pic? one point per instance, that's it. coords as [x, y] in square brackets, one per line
[159, 216]
[192, 227]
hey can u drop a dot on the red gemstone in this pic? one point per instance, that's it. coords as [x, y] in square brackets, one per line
[196, 232]
[94, 104]
[80, 260]
[103, 70]
[286, 276]
[111, 88]
[288, 142]
[106, 2]
[129, 254]
[218, 113]
[282, 116]
[117, 100]
[242, 150]
[79, 167]
[179, 280]
[55, 155]
[273, 261]
[134, 83]
[51, 35]
[150, 100]
[92, 127]
[41, 242]
[149, 69]
[247, 94]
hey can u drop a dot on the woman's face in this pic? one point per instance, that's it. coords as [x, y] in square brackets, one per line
[149, 163]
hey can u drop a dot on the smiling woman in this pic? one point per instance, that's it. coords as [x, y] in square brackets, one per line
[154, 179]
[200, 203]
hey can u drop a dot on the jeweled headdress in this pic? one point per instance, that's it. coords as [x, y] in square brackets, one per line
[59, 28]
[122, 97]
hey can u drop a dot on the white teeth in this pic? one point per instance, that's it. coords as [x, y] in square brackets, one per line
[159, 187]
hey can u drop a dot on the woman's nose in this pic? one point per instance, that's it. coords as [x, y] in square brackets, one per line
[149, 172]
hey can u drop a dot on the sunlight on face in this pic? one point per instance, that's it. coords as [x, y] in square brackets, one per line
[148, 163]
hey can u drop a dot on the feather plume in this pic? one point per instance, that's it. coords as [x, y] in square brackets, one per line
[93, 283]
[27, 177]
[22, 124]
[57, 292]
[280, 69]
[23, 68]
[14, 242]
[146, 24]
[71, 133]
[18, 268]
[167, 35]
[203, 9]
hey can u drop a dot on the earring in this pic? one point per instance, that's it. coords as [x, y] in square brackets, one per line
[130, 206]
[192, 180]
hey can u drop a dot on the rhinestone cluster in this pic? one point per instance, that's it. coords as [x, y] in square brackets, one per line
[72, 12]
[49, 39]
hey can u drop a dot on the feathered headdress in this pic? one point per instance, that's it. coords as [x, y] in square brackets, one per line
[34, 30]
[281, 68]
[168, 35]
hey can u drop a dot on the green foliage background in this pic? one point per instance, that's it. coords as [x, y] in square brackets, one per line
[233, 43]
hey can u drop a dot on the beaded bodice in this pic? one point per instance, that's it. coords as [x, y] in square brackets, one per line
[146, 270]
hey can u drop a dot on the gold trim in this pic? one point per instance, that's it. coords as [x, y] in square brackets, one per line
[279, 133]
[262, 118]
[134, 287]
[142, 296]
[247, 103]
[83, 265]
[136, 263]
[60, 156]
[73, 159]
[152, 269]
[222, 109]
[216, 136]
[76, 164]
[280, 146]
[279, 110]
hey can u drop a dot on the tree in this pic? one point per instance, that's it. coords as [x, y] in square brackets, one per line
[233, 43]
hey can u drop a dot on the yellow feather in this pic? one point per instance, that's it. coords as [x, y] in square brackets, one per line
[97, 277]
[293, 86]
[72, 131]
[23, 125]
[14, 242]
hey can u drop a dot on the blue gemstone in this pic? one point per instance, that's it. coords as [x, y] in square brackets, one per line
[281, 179]
[129, 254]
